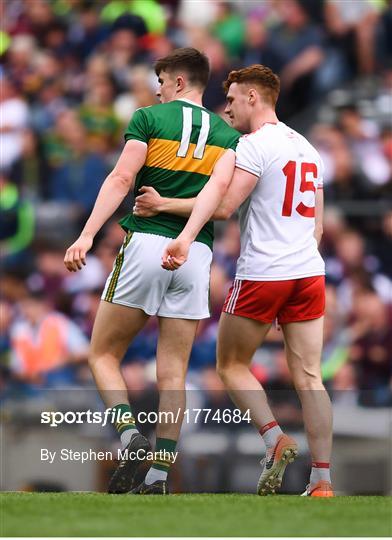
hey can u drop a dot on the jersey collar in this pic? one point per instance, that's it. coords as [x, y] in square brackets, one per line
[191, 102]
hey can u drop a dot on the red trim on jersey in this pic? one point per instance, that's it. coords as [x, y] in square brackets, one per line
[291, 300]
[320, 465]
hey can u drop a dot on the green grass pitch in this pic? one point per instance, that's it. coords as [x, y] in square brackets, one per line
[94, 514]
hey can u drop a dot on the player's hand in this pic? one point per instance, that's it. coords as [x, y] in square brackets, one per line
[147, 204]
[175, 254]
[75, 256]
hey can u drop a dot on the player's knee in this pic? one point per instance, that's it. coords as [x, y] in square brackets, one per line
[102, 358]
[227, 369]
[221, 367]
[221, 371]
[94, 357]
[170, 381]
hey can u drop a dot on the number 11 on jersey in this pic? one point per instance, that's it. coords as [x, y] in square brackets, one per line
[187, 114]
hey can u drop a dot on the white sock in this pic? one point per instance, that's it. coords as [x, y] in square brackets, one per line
[320, 471]
[126, 436]
[153, 475]
[270, 435]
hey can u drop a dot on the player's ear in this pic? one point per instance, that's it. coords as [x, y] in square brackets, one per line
[251, 96]
[180, 83]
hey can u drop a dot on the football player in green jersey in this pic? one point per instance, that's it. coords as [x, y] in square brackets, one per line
[173, 147]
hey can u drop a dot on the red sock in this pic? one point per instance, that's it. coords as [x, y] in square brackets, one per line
[267, 427]
[320, 471]
[270, 433]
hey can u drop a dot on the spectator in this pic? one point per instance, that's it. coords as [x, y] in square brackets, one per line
[356, 270]
[122, 51]
[294, 50]
[255, 40]
[14, 116]
[353, 25]
[214, 97]
[348, 186]
[13, 285]
[30, 172]
[23, 49]
[16, 223]
[229, 28]
[384, 37]
[98, 116]
[48, 275]
[5, 344]
[36, 19]
[88, 33]
[46, 346]
[383, 244]
[372, 350]
[364, 139]
[227, 249]
[78, 178]
[49, 99]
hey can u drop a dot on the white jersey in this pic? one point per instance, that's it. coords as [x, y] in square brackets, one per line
[277, 219]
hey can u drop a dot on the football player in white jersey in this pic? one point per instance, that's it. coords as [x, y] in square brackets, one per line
[280, 274]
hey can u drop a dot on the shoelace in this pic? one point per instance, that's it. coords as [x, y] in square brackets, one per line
[266, 458]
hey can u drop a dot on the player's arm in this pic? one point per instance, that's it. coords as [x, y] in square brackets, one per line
[113, 191]
[319, 213]
[242, 184]
[210, 196]
[150, 203]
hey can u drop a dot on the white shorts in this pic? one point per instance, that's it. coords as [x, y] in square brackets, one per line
[138, 280]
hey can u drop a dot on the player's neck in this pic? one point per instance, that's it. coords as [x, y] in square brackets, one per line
[192, 95]
[265, 116]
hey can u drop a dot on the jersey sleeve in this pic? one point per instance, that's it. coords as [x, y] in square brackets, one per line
[249, 157]
[233, 142]
[139, 128]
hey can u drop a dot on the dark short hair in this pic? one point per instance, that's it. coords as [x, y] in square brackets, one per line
[265, 80]
[189, 60]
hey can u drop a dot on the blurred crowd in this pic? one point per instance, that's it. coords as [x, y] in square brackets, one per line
[72, 74]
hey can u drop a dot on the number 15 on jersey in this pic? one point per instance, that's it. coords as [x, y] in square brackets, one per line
[290, 171]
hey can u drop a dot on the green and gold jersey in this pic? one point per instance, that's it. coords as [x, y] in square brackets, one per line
[184, 141]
